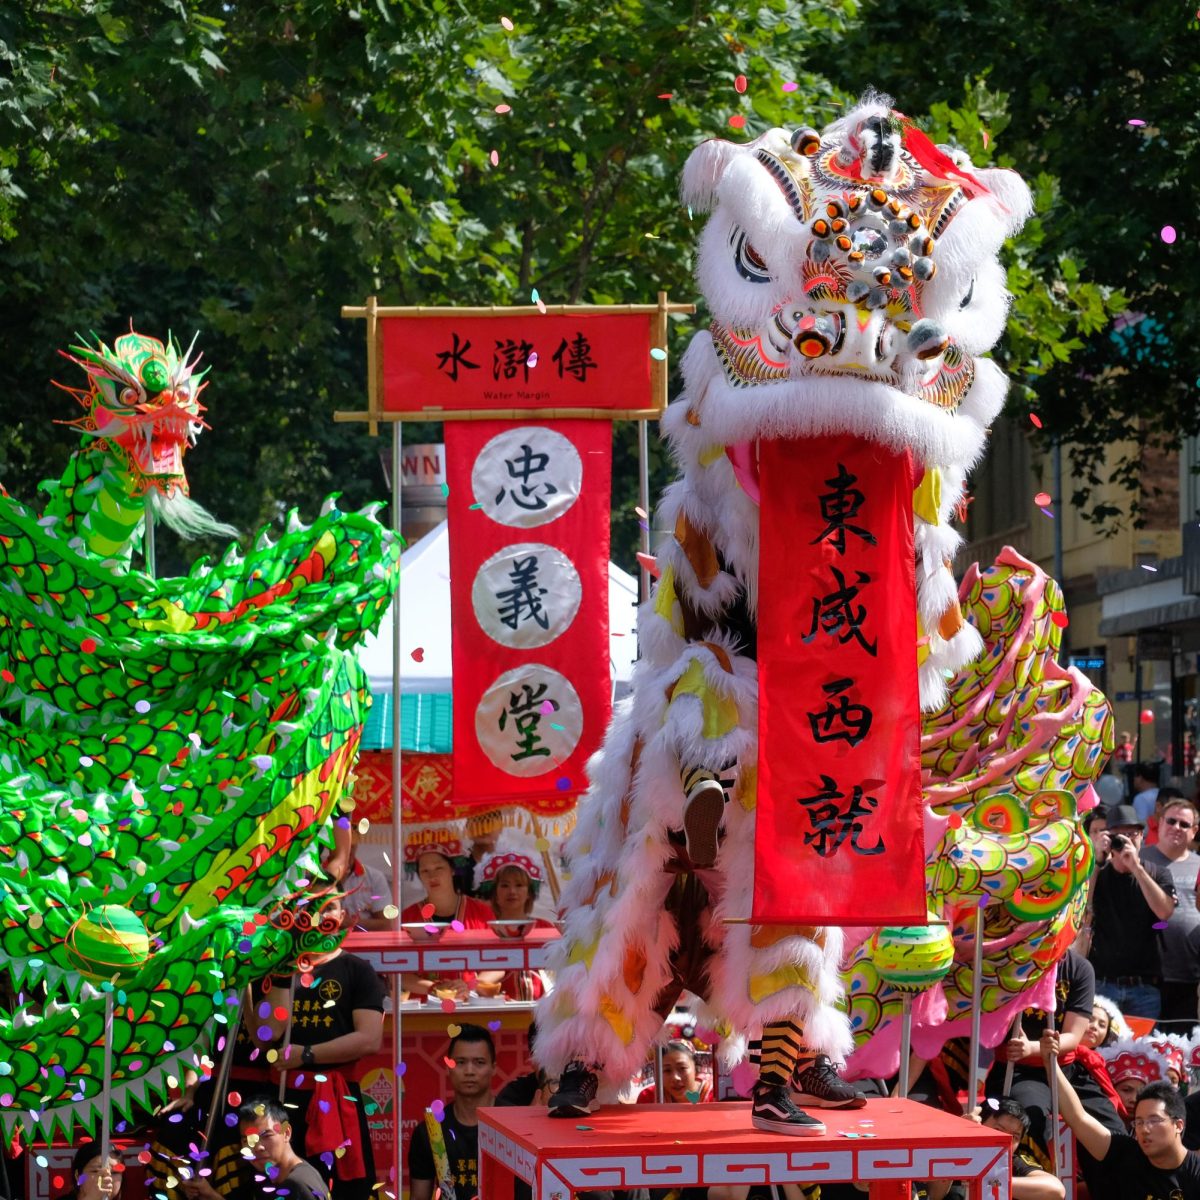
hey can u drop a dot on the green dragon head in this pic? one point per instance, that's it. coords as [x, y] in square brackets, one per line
[143, 406]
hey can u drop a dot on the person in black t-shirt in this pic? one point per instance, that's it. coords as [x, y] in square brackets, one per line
[1151, 1165]
[1129, 898]
[1074, 992]
[474, 1056]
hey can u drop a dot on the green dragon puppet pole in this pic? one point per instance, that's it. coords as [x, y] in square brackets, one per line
[106, 1095]
[397, 802]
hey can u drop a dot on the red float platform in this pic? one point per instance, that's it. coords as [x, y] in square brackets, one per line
[680, 1145]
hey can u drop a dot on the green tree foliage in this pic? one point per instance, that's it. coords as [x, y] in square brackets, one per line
[1099, 106]
[244, 170]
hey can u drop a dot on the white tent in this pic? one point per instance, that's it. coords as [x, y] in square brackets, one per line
[425, 623]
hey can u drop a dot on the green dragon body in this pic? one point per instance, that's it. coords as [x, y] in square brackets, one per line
[175, 746]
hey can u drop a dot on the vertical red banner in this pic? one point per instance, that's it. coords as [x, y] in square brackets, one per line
[529, 509]
[839, 837]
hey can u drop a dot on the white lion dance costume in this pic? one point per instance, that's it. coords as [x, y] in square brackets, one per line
[853, 281]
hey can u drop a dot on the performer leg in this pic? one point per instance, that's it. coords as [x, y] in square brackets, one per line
[702, 812]
[774, 1110]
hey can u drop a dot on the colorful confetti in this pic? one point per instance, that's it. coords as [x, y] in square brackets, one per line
[1167, 233]
[790, 86]
[737, 121]
[1060, 619]
[1135, 121]
[1042, 499]
[1035, 420]
[418, 655]
[739, 84]
[495, 158]
[657, 354]
[507, 24]
[502, 108]
[380, 157]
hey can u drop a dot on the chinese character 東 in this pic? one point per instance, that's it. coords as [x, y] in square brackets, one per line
[838, 509]
[835, 818]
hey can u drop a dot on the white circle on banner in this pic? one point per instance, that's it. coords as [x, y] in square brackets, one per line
[525, 596]
[527, 477]
[529, 721]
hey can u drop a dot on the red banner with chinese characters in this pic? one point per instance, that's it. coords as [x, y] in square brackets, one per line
[839, 837]
[529, 532]
[456, 363]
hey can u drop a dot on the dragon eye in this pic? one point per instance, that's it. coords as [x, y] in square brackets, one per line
[967, 298]
[129, 397]
[749, 263]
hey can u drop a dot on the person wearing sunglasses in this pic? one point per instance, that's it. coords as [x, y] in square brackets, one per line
[1153, 1162]
[1180, 963]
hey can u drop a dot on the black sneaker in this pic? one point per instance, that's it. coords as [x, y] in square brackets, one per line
[819, 1085]
[576, 1091]
[776, 1112]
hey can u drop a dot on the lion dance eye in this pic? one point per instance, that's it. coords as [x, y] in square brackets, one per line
[129, 397]
[749, 263]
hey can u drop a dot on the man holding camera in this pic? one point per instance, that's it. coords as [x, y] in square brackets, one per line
[1130, 900]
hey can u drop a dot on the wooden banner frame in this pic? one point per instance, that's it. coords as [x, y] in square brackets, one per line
[372, 312]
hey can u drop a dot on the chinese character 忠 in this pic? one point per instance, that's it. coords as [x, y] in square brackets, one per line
[450, 360]
[841, 718]
[523, 601]
[838, 509]
[523, 468]
[834, 818]
[526, 719]
[575, 358]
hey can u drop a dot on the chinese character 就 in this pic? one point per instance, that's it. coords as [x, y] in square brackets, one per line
[450, 360]
[574, 357]
[837, 613]
[509, 357]
[841, 718]
[838, 508]
[523, 600]
[835, 818]
[523, 468]
[525, 711]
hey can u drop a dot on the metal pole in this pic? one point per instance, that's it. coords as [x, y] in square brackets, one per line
[287, 1035]
[397, 818]
[148, 554]
[106, 1097]
[1052, 1140]
[221, 1079]
[905, 1041]
[976, 998]
[658, 1072]
[1009, 1068]
[644, 502]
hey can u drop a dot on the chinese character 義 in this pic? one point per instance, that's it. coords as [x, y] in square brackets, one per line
[523, 600]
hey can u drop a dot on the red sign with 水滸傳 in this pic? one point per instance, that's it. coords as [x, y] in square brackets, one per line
[529, 506]
[460, 363]
[839, 830]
